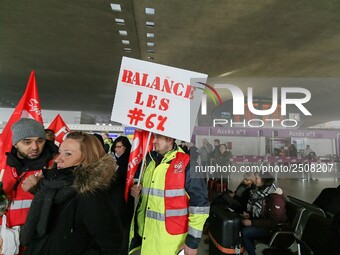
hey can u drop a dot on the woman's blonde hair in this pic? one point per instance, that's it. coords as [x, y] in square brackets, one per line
[90, 147]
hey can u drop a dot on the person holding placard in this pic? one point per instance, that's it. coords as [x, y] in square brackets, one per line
[172, 206]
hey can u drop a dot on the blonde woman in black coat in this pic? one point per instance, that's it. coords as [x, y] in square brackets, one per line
[72, 213]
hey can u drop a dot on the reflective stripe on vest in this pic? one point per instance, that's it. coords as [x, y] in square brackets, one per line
[175, 199]
[155, 215]
[175, 192]
[20, 204]
[160, 216]
[153, 192]
[180, 212]
[194, 232]
[199, 209]
[160, 193]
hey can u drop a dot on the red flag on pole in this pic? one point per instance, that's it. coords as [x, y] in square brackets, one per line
[139, 145]
[28, 107]
[60, 129]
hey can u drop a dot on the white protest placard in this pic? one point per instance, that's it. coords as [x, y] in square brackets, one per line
[158, 98]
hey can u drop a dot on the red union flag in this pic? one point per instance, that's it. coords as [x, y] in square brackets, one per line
[28, 107]
[139, 145]
[60, 129]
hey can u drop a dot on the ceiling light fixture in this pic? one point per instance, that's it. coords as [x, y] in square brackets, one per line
[123, 32]
[126, 42]
[150, 11]
[150, 23]
[116, 7]
[150, 35]
[150, 44]
[120, 21]
[150, 51]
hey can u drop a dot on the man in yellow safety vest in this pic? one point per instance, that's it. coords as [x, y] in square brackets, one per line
[172, 206]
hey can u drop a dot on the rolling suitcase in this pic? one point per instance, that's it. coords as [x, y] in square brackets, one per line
[224, 231]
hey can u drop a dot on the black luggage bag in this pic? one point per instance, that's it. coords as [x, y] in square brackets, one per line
[216, 187]
[225, 231]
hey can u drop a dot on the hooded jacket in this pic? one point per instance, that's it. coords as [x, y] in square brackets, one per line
[80, 219]
[274, 211]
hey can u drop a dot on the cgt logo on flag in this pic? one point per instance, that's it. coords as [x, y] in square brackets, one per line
[34, 106]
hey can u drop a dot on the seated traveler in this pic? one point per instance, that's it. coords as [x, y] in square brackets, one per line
[266, 209]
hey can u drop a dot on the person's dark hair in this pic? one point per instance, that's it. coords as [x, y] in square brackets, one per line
[224, 145]
[124, 140]
[50, 134]
[47, 130]
[100, 138]
[267, 179]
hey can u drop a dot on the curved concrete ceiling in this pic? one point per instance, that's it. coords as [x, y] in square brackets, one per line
[75, 47]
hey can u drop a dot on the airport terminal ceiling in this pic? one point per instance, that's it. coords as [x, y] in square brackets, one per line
[75, 48]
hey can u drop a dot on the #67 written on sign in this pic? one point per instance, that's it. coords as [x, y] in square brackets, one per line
[158, 98]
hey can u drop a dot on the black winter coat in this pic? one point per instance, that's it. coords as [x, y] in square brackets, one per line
[86, 222]
[117, 189]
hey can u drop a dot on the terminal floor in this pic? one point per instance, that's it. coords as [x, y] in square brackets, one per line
[302, 189]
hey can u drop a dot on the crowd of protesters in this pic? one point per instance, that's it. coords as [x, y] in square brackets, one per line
[70, 199]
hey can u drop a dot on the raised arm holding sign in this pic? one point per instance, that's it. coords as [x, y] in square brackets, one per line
[155, 98]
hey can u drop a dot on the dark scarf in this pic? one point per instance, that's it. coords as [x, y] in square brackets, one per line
[256, 201]
[55, 188]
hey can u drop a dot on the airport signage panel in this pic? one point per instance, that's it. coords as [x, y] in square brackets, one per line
[129, 130]
[268, 132]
